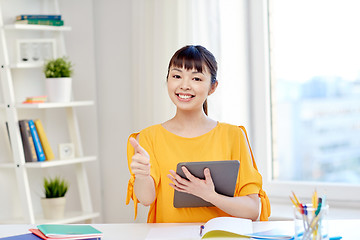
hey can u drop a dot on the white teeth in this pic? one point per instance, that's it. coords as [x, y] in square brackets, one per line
[184, 96]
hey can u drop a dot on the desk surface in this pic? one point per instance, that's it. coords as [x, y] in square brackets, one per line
[138, 231]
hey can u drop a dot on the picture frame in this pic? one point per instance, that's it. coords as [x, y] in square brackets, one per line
[35, 50]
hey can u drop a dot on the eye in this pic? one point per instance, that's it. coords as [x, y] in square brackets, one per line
[197, 79]
[176, 76]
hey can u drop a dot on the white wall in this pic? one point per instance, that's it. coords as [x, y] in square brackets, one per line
[112, 23]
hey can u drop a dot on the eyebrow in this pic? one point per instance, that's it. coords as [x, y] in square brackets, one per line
[179, 70]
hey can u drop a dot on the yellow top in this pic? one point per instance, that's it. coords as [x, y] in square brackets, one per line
[166, 150]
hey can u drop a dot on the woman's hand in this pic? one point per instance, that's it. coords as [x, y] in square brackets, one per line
[140, 164]
[204, 189]
[243, 206]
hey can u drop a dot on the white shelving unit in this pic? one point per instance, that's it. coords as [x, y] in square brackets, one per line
[12, 108]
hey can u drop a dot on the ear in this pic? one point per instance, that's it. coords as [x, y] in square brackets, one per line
[213, 88]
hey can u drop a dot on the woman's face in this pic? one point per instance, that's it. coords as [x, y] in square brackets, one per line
[188, 89]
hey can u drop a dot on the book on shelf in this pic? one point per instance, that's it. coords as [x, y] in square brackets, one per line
[66, 231]
[37, 16]
[27, 141]
[49, 22]
[35, 99]
[38, 147]
[49, 154]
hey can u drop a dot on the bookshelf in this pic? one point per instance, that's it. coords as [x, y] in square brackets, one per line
[12, 110]
[36, 27]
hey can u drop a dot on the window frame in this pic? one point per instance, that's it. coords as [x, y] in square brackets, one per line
[337, 194]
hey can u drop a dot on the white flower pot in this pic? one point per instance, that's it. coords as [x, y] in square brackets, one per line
[58, 89]
[53, 208]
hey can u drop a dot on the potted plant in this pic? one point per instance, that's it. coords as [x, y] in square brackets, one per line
[54, 202]
[58, 74]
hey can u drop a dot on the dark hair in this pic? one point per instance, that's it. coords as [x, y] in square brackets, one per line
[195, 57]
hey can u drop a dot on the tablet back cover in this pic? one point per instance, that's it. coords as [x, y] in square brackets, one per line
[224, 175]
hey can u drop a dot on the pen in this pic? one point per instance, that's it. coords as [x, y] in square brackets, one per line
[201, 229]
[296, 205]
[318, 206]
[296, 199]
[306, 215]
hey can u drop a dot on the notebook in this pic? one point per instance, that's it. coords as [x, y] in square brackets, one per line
[223, 173]
[69, 231]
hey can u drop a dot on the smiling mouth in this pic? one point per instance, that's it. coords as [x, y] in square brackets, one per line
[183, 96]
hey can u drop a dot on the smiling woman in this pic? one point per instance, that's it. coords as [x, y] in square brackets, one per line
[190, 77]
[190, 136]
[175, 24]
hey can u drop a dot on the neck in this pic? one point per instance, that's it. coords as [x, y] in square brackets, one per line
[190, 124]
[191, 119]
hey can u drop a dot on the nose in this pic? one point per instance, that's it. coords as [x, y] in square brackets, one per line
[185, 84]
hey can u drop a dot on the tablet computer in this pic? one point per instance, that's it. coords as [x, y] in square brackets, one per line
[223, 173]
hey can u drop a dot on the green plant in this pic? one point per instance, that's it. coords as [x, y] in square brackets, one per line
[57, 68]
[55, 187]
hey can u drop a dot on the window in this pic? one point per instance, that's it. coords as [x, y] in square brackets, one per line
[306, 96]
[315, 90]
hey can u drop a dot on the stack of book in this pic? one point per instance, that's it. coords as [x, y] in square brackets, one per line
[60, 232]
[35, 143]
[41, 19]
[66, 231]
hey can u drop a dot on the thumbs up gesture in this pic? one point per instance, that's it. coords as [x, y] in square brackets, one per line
[140, 164]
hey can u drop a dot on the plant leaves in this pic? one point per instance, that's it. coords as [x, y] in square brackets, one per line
[55, 187]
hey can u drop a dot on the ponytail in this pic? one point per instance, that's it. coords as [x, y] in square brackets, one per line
[205, 107]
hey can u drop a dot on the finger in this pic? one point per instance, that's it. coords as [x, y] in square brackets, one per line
[176, 185]
[188, 174]
[177, 180]
[137, 147]
[173, 173]
[138, 169]
[139, 166]
[171, 177]
[140, 159]
[207, 175]
[181, 182]
[177, 188]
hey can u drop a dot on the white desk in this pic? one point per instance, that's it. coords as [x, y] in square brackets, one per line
[348, 229]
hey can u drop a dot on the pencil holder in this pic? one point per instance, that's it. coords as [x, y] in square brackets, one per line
[311, 223]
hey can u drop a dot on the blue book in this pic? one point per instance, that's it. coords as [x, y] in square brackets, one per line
[26, 236]
[38, 16]
[39, 150]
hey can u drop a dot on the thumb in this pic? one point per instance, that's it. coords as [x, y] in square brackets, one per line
[137, 147]
[207, 175]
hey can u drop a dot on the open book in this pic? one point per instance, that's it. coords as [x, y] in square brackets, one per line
[220, 227]
[226, 227]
